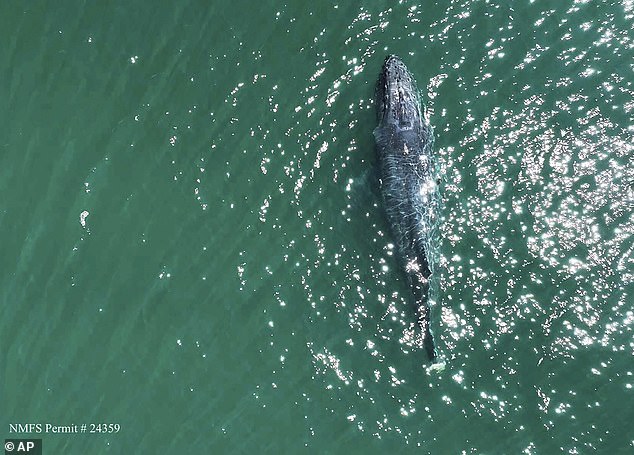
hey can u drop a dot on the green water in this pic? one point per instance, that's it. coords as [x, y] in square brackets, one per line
[193, 245]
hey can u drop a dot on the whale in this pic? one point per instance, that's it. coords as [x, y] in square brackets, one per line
[408, 181]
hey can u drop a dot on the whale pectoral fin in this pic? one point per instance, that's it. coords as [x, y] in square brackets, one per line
[359, 185]
[382, 136]
[373, 180]
[377, 133]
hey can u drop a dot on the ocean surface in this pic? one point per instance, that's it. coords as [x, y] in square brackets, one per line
[193, 246]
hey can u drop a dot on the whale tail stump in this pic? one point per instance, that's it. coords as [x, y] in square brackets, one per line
[428, 338]
[423, 317]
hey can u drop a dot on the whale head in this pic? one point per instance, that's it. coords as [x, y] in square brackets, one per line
[397, 100]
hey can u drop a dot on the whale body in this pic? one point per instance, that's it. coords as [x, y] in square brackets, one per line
[407, 172]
